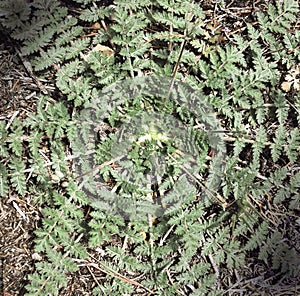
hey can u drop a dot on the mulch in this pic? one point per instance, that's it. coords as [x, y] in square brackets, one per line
[18, 96]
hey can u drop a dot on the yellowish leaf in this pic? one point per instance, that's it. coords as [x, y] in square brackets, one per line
[143, 234]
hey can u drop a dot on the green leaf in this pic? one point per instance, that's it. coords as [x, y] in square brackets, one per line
[18, 178]
[3, 181]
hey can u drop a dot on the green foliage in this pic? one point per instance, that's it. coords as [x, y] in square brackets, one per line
[39, 173]
[3, 181]
[208, 234]
[36, 24]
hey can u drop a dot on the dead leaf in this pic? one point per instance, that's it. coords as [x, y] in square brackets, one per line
[105, 50]
[286, 86]
[36, 256]
[96, 26]
[292, 79]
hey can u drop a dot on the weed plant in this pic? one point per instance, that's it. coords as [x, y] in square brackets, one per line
[251, 80]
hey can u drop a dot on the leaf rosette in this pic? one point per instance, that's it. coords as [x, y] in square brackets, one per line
[156, 160]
